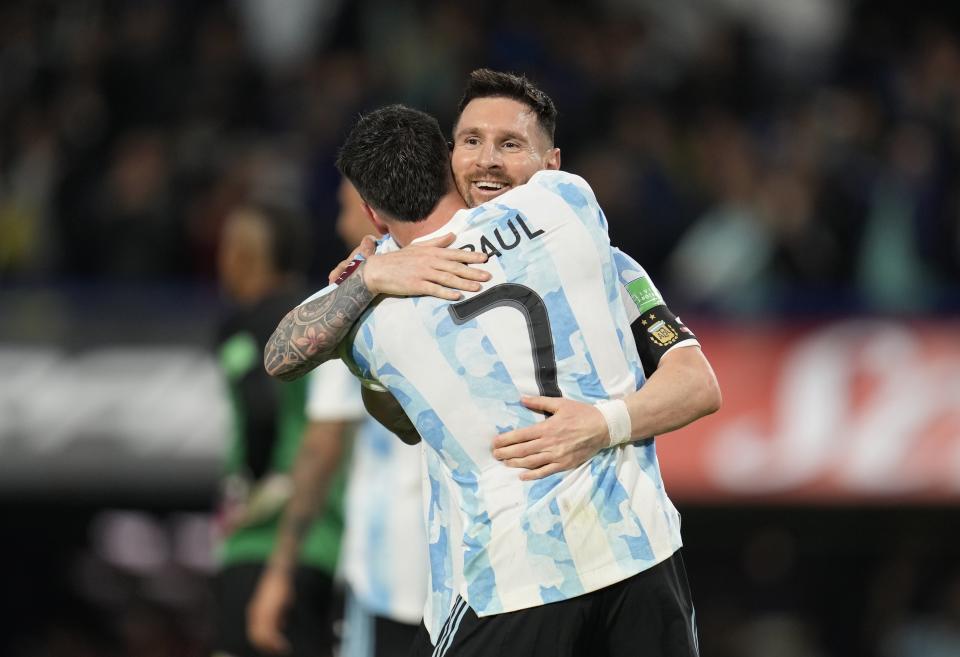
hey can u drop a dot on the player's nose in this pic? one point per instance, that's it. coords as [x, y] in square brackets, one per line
[489, 156]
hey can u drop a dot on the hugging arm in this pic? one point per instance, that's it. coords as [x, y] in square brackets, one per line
[310, 333]
[681, 387]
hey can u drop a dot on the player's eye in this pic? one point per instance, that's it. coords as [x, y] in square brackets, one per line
[471, 141]
[511, 145]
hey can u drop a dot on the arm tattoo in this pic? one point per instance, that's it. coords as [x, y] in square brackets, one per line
[309, 334]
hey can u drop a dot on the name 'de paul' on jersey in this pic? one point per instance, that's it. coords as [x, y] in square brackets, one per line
[507, 241]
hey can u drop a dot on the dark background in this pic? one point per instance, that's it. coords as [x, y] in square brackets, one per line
[766, 161]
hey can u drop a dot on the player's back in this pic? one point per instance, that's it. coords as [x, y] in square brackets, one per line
[549, 322]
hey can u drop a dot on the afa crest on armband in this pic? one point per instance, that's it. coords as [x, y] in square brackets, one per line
[662, 333]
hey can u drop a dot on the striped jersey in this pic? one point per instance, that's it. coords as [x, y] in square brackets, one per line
[384, 554]
[550, 321]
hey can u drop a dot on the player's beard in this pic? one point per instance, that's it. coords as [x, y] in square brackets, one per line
[475, 194]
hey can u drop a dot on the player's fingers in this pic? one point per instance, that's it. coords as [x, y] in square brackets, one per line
[461, 270]
[517, 436]
[541, 472]
[462, 255]
[336, 271]
[520, 450]
[439, 291]
[367, 247]
[532, 462]
[542, 404]
[453, 281]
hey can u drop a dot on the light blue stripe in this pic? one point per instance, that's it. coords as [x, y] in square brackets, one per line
[358, 630]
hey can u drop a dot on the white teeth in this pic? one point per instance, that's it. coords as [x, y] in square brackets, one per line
[487, 185]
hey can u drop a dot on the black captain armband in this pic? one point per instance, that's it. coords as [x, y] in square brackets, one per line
[656, 331]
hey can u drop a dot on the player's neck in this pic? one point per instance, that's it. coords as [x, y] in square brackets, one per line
[404, 232]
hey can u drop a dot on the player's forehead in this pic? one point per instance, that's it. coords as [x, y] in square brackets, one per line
[498, 115]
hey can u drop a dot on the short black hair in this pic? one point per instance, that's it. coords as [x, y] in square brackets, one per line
[487, 83]
[399, 161]
[289, 234]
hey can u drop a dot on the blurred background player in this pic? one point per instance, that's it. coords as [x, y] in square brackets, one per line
[384, 555]
[260, 264]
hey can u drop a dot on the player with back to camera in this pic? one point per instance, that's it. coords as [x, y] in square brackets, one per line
[502, 136]
[544, 563]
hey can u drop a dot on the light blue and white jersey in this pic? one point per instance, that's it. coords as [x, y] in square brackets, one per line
[639, 295]
[551, 321]
[384, 554]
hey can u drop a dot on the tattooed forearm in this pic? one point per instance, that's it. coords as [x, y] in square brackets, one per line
[309, 334]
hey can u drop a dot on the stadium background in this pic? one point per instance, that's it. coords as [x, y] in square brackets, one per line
[787, 171]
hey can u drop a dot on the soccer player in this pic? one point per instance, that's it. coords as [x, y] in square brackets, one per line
[583, 560]
[384, 553]
[503, 135]
[260, 262]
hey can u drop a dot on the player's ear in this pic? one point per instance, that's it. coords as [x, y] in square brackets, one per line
[375, 219]
[552, 159]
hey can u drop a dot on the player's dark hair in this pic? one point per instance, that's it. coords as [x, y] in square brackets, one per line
[289, 235]
[486, 83]
[399, 161]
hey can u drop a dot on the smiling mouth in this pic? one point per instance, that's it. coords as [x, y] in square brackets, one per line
[490, 185]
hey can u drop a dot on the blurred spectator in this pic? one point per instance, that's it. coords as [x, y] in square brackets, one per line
[756, 156]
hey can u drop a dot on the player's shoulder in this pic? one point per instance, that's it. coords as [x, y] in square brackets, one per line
[571, 187]
[553, 178]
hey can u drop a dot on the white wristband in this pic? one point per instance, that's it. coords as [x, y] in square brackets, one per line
[618, 420]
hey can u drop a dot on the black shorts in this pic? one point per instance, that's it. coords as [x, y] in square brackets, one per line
[309, 621]
[647, 615]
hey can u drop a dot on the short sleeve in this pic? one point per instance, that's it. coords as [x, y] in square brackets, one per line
[637, 290]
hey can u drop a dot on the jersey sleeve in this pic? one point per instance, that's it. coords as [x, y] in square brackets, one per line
[656, 330]
[576, 193]
[637, 290]
[333, 394]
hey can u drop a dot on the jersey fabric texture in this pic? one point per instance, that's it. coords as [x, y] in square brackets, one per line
[550, 322]
[384, 556]
[268, 422]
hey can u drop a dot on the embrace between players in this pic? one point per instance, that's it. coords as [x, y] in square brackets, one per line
[579, 552]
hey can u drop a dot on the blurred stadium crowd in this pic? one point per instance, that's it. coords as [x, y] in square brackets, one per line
[759, 157]
[754, 156]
